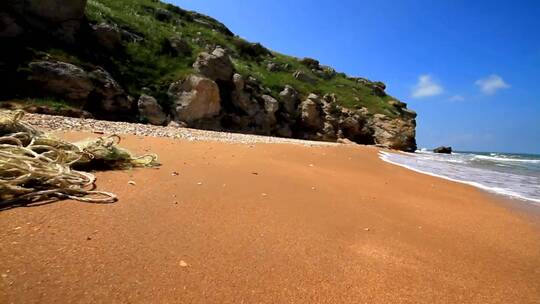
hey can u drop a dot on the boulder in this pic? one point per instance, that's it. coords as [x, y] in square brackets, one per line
[289, 98]
[241, 99]
[108, 96]
[108, 36]
[304, 77]
[271, 105]
[443, 150]
[163, 15]
[195, 98]
[151, 111]
[394, 133]
[60, 79]
[177, 47]
[310, 63]
[310, 116]
[216, 65]
[62, 19]
[9, 27]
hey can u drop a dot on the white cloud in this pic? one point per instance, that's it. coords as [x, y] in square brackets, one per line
[491, 84]
[457, 98]
[426, 87]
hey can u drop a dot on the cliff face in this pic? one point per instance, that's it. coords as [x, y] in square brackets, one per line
[142, 60]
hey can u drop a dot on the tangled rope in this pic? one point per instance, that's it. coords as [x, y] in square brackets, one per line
[35, 167]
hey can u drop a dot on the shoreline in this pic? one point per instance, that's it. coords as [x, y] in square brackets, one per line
[268, 223]
[535, 203]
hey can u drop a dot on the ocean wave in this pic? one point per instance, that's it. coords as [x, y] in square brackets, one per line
[509, 192]
[506, 159]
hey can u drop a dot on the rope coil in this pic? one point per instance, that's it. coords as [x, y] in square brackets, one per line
[35, 167]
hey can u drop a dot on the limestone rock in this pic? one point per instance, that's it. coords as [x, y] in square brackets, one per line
[443, 150]
[60, 79]
[216, 65]
[241, 99]
[176, 46]
[310, 116]
[62, 19]
[151, 111]
[108, 96]
[195, 98]
[304, 77]
[394, 133]
[107, 36]
[289, 98]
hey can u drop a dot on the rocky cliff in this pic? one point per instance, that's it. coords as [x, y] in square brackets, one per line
[143, 60]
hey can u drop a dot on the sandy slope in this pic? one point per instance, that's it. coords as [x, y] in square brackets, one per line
[270, 223]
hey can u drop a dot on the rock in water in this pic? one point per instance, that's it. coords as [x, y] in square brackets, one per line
[151, 111]
[195, 98]
[443, 150]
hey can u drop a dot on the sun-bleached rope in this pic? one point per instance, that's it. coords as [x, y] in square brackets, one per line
[35, 167]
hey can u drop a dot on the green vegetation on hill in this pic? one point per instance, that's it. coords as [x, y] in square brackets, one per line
[145, 63]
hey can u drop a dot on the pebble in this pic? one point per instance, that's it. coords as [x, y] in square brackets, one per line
[132, 183]
[175, 173]
[60, 123]
[366, 229]
[264, 194]
[199, 183]
[183, 264]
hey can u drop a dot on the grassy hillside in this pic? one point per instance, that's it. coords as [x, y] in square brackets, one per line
[145, 63]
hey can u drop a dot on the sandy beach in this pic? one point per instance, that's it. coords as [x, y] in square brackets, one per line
[223, 222]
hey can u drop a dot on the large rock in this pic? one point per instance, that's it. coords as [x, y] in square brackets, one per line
[60, 79]
[241, 99]
[151, 111]
[108, 36]
[60, 18]
[289, 98]
[108, 96]
[96, 91]
[176, 46]
[310, 115]
[9, 28]
[195, 98]
[304, 77]
[271, 105]
[216, 65]
[394, 133]
[443, 150]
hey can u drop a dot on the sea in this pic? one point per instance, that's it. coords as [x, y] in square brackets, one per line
[512, 175]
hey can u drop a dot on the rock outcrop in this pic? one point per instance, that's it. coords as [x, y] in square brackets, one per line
[61, 19]
[310, 115]
[443, 150]
[60, 79]
[394, 133]
[51, 50]
[216, 65]
[150, 110]
[195, 98]
[95, 91]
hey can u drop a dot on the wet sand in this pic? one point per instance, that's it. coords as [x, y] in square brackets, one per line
[270, 223]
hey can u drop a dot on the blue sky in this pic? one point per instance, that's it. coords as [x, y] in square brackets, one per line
[471, 69]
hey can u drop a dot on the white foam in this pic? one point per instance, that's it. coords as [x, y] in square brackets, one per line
[505, 159]
[385, 156]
